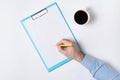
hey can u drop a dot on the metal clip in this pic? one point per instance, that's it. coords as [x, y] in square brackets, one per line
[39, 14]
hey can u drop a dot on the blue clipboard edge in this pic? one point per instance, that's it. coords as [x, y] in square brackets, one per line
[62, 62]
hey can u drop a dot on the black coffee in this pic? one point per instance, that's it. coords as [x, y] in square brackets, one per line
[81, 17]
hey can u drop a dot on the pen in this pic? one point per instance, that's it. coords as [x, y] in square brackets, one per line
[65, 45]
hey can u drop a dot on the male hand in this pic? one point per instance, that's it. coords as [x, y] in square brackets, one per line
[70, 51]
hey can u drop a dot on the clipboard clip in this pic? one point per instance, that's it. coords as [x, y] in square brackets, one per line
[39, 14]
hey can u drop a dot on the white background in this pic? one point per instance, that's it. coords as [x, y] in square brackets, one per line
[99, 38]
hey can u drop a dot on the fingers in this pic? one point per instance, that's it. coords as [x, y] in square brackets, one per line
[60, 49]
[63, 49]
[66, 41]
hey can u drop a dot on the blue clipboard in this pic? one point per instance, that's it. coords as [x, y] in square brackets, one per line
[44, 29]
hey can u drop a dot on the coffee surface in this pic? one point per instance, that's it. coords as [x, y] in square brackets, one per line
[81, 17]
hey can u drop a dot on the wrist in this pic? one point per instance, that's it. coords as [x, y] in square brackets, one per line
[79, 57]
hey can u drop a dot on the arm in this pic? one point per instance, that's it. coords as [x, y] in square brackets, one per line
[97, 68]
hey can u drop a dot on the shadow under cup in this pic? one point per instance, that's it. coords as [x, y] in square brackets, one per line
[81, 17]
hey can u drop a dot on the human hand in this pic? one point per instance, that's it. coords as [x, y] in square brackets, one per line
[70, 51]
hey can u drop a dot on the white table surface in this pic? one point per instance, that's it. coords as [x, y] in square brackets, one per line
[99, 38]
